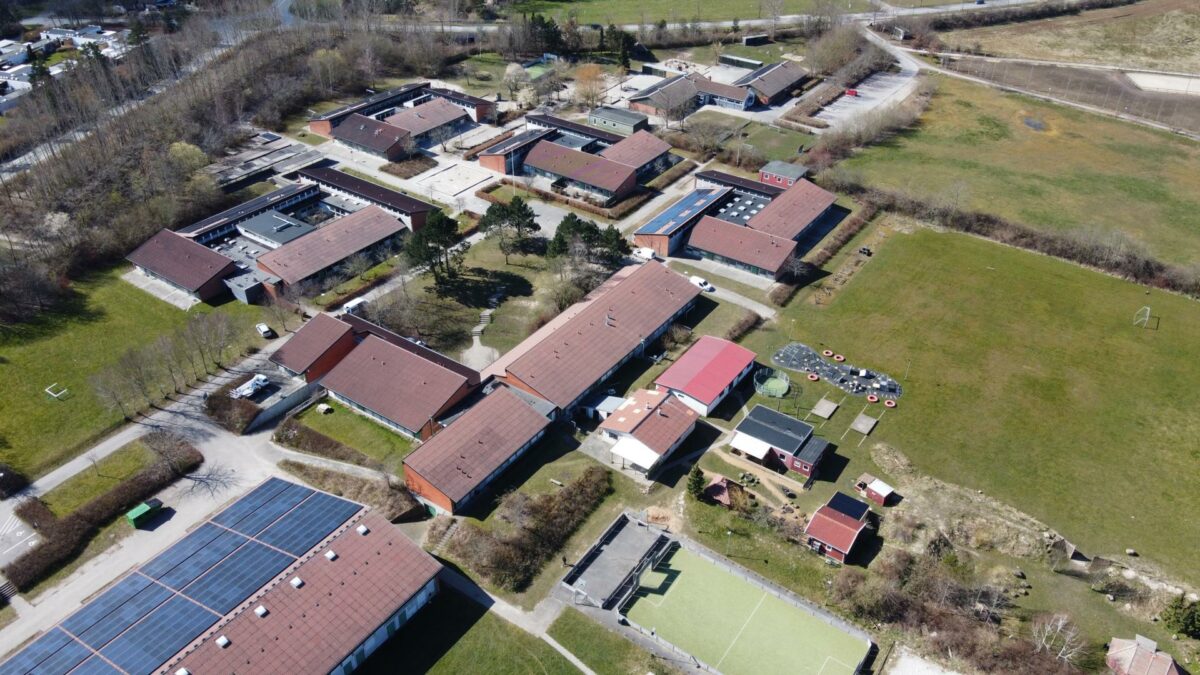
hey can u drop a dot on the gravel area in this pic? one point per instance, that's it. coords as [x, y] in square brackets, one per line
[848, 378]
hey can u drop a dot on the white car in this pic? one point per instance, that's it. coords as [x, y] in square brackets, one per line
[644, 253]
[702, 284]
[251, 387]
[264, 330]
[354, 306]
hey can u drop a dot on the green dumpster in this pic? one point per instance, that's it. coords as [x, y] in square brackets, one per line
[142, 513]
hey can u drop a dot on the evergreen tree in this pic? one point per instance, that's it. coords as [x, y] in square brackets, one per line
[435, 244]
[696, 482]
[1183, 616]
[138, 35]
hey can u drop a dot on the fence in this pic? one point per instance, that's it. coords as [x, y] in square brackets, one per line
[663, 643]
[621, 597]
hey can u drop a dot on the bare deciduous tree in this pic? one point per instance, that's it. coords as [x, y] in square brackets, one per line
[1058, 636]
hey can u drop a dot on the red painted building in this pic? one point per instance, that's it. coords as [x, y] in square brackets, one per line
[837, 526]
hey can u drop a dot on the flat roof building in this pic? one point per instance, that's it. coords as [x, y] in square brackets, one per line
[316, 254]
[707, 372]
[285, 579]
[449, 470]
[396, 387]
[711, 179]
[667, 232]
[619, 120]
[273, 229]
[543, 121]
[193, 268]
[221, 224]
[411, 211]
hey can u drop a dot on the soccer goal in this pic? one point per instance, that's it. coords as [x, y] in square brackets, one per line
[57, 392]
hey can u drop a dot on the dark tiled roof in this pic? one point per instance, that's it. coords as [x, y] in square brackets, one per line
[792, 212]
[573, 127]
[310, 343]
[776, 429]
[576, 355]
[313, 628]
[460, 457]
[848, 506]
[740, 243]
[722, 178]
[180, 260]
[618, 115]
[255, 205]
[330, 244]
[395, 383]
[579, 166]
[637, 150]
[466, 99]
[367, 190]
[425, 117]
[362, 328]
[381, 97]
[774, 78]
[369, 133]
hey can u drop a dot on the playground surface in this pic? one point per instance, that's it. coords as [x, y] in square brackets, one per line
[738, 627]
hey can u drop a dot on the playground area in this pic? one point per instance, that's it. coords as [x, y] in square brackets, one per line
[736, 626]
[833, 369]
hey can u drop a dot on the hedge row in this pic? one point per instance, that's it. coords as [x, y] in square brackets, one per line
[233, 414]
[749, 321]
[671, 175]
[992, 17]
[11, 481]
[295, 434]
[543, 525]
[781, 294]
[392, 501]
[843, 234]
[65, 538]
[472, 152]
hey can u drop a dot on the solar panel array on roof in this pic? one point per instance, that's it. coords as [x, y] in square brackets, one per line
[147, 617]
[843, 503]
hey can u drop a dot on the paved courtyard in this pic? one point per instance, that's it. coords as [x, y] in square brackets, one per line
[160, 289]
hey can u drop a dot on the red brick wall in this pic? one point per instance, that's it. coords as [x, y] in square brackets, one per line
[423, 488]
[658, 242]
[331, 357]
[323, 127]
[492, 163]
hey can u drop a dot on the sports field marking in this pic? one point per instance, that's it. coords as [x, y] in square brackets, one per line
[839, 668]
[742, 630]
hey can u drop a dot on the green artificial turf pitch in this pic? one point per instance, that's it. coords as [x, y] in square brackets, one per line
[737, 627]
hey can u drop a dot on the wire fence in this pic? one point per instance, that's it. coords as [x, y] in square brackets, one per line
[667, 645]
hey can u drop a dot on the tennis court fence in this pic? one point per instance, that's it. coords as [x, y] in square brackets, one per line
[622, 597]
[651, 635]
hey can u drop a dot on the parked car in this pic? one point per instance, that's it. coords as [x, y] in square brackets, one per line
[354, 306]
[644, 253]
[702, 284]
[251, 387]
[264, 330]
[852, 92]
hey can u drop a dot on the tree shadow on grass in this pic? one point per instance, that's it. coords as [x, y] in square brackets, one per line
[69, 310]
[557, 442]
[474, 286]
[428, 636]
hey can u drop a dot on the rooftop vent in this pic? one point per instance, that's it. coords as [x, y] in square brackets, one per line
[222, 642]
[363, 530]
[330, 555]
[261, 611]
[183, 671]
[297, 582]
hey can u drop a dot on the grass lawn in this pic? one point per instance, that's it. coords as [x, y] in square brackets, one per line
[492, 65]
[603, 650]
[371, 439]
[975, 147]
[102, 317]
[337, 294]
[454, 635]
[729, 123]
[1027, 380]
[60, 56]
[774, 142]
[107, 537]
[102, 477]
[735, 626]
[649, 11]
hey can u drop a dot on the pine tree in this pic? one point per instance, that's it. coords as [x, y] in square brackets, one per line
[696, 483]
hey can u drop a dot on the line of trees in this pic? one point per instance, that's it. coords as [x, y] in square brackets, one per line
[142, 376]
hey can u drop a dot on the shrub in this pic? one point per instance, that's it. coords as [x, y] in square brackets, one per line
[64, 538]
[393, 501]
[991, 17]
[843, 234]
[234, 414]
[671, 175]
[748, 322]
[295, 434]
[781, 294]
[545, 522]
[1183, 616]
[473, 152]
[11, 481]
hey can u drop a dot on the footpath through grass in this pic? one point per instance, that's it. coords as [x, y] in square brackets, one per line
[1027, 379]
[101, 319]
[1048, 166]
[370, 438]
[737, 627]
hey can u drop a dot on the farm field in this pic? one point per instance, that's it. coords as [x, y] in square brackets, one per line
[103, 317]
[453, 634]
[1047, 166]
[1155, 34]
[649, 11]
[737, 627]
[1027, 380]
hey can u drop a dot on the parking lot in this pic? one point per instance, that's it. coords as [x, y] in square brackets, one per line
[160, 289]
[874, 92]
[448, 182]
[15, 538]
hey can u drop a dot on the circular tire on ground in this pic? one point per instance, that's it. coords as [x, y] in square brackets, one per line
[839, 358]
[813, 377]
[828, 352]
[872, 398]
[890, 403]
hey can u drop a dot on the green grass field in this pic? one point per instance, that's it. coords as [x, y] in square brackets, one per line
[601, 649]
[371, 439]
[1028, 380]
[735, 626]
[975, 147]
[650, 11]
[103, 317]
[454, 635]
[99, 479]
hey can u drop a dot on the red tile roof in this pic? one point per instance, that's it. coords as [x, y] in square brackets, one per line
[395, 383]
[463, 455]
[311, 629]
[369, 133]
[791, 212]
[362, 328]
[573, 358]
[637, 150]
[331, 244]
[706, 368]
[741, 243]
[579, 166]
[427, 116]
[180, 260]
[834, 529]
[1139, 656]
[310, 343]
[655, 418]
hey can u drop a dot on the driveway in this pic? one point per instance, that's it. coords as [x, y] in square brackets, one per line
[160, 289]
[875, 92]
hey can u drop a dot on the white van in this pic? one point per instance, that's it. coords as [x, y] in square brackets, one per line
[354, 306]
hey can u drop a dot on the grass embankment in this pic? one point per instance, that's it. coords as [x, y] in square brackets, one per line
[373, 440]
[1156, 34]
[102, 318]
[454, 635]
[1026, 379]
[1048, 166]
[649, 11]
